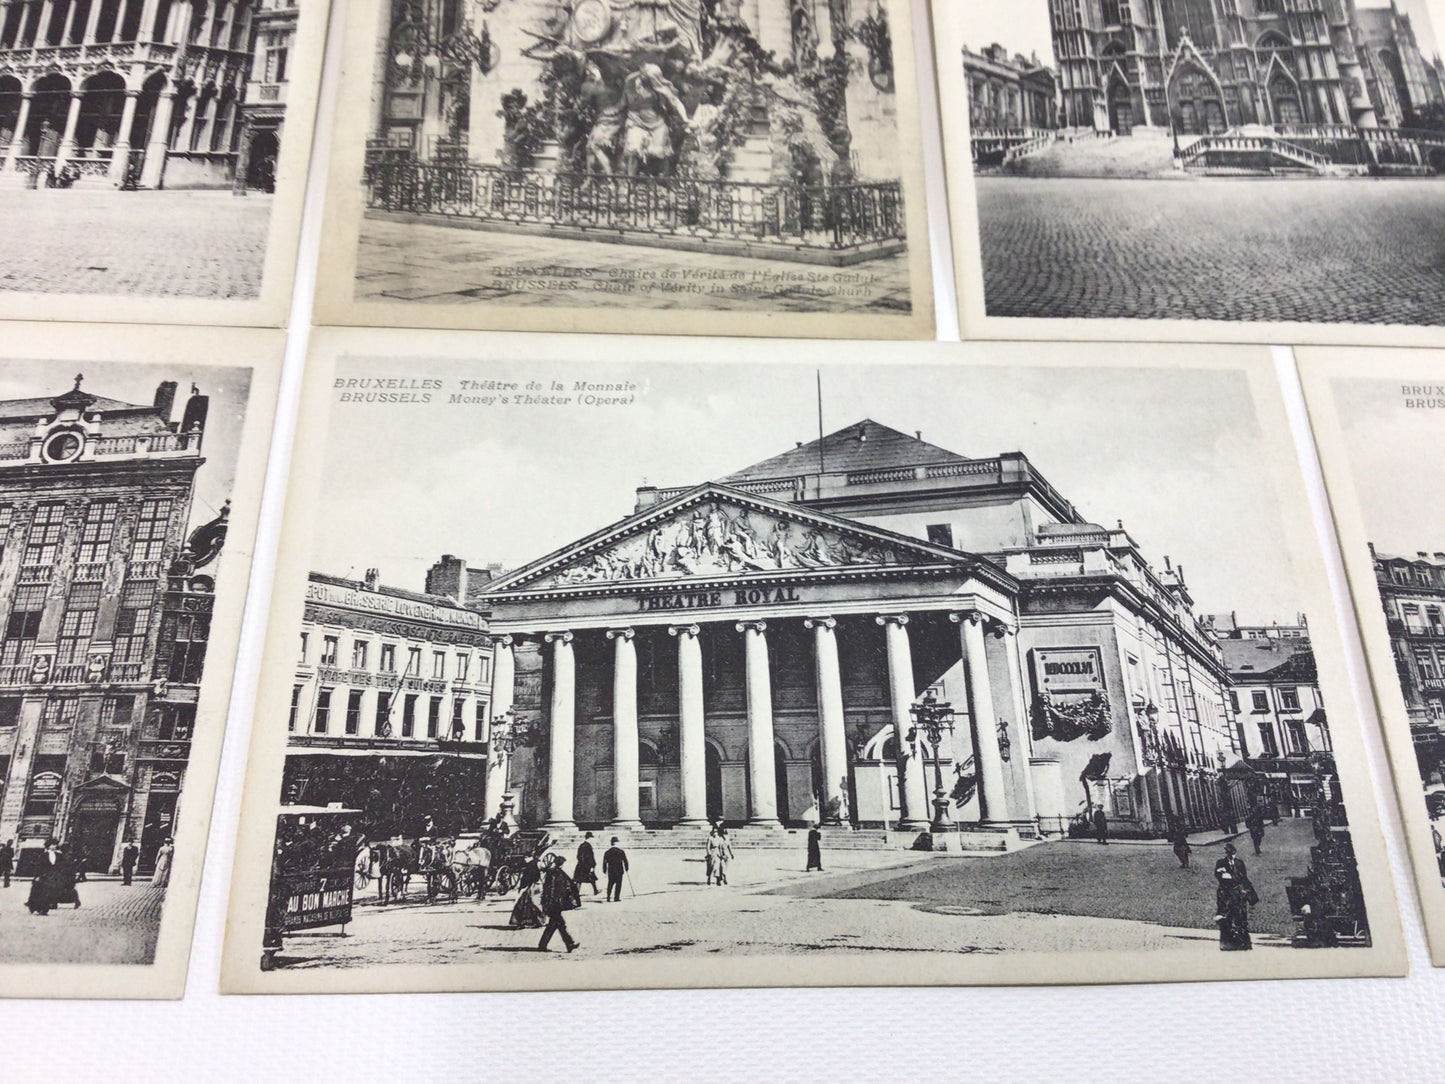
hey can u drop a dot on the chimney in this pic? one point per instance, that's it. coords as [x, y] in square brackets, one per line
[918, 434]
[165, 398]
[372, 578]
[197, 407]
[448, 578]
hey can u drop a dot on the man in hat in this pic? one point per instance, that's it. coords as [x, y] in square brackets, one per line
[614, 864]
[129, 854]
[586, 870]
[559, 894]
[7, 861]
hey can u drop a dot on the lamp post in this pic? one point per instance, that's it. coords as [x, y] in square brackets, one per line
[932, 717]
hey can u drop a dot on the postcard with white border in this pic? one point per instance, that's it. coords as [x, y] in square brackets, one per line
[1379, 423]
[1241, 172]
[637, 166]
[131, 463]
[588, 668]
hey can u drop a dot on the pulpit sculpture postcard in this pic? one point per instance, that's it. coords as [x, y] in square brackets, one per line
[131, 461]
[590, 669]
[738, 167]
[1241, 171]
[153, 157]
[1379, 423]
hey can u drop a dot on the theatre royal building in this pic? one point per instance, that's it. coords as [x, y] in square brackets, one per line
[767, 649]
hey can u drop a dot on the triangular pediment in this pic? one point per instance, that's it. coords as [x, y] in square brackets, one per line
[716, 532]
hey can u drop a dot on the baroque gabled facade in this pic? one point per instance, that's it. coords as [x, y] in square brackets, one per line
[106, 605]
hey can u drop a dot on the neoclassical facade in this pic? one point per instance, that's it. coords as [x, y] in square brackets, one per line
[766, 649]
[1009, 92]
[128, 93]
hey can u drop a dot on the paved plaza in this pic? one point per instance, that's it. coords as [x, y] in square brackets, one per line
[1353, 251]
[409, 260]
[151, 244]
[116, 924]
[1064, 896]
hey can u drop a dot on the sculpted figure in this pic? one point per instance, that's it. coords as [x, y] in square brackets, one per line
[605, 100]
[651, 101]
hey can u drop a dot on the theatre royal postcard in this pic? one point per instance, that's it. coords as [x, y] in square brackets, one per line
[153, 157]
[738, 167]
[1379, 423]
[591, 669]
[131, 462]
[1199, 170]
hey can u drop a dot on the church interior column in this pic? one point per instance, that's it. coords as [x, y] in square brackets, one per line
[626, 810]
[832, 740]
[503, 679]
[561, 747]
[912, 799]
[762, 776]
[992, 797]
[691, 743]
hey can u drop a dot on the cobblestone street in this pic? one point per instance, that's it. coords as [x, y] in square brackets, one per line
[151, 244]
[1054, 897]
[434, 264]
[1352, 251]
[116, 924]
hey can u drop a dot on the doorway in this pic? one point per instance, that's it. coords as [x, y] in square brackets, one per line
[93, 832]
[714, 783]
[159, 826]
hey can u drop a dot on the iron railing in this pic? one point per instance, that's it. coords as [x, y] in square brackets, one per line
[830, 216]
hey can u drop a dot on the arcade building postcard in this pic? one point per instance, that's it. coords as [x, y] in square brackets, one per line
[741, 167]
[131, 461]
[591, 669]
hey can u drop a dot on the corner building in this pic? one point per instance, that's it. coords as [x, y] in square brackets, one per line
[751, 649]
[106, 620]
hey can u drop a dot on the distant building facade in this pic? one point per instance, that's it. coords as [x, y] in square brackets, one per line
[106, 612]
[263, 106]
[1007, 92]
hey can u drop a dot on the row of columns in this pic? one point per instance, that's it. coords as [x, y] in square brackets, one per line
[833, 745]
[217, 31]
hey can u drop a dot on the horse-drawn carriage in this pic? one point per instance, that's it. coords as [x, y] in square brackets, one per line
[470, 864]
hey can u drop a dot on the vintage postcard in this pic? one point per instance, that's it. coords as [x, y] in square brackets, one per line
[153, 157]
[734, 167]
[131, 463]
[1249, 171]
[1379, 423]
[800, 668]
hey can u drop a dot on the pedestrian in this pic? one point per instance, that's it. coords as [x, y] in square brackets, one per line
[1180, 838]
[162, 874]
[129, 853]
[559, 895]
[1254, 821]
[1232, 899]
[815, 850]
[54, 883]
[724, 855]
[710, 850]
[586, 869]
[1101, 826]
[614, 864]
[527, 911]
[7, 861]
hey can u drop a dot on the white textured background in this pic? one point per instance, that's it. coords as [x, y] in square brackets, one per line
[1375, 1029]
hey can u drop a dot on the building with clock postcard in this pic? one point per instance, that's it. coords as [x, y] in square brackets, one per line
[687, 166]
[1261, 170]
[804, 670]
[1378, 431]
[125, 520]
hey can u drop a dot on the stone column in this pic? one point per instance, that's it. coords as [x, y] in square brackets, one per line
[832, 740]
[92, 20]
[67, 31]
[992, 798]
[1010, 634]
[503, 679]
[66, 148]
[146, 30]
[17, 142]
[762, 776]
[120, 154]
[912, 787]
[624, 730]
[42, 28]
[563, 726]
[691, 740]
[154, 171]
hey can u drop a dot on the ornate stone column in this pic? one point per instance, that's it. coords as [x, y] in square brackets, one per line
[1010, 634]
[154, 171]
[561, 747]
[762, 769]
[66, 148]
[146, 30]
[832, 739]
[912, 796]
[503, 694]
[92, 20]
[625, 807]
[17, 141]
[691, 740]
[120, 153]
[992, 798]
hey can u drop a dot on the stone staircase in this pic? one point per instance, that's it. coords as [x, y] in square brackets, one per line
[1146, 153]
[744, 838]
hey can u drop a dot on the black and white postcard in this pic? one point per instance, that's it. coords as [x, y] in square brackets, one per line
[803, 667]
[1239, 171]
[739, 167]
[131, 461]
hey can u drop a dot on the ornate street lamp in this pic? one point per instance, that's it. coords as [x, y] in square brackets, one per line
[932, 718]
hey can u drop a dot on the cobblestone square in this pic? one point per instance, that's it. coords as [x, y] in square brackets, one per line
[1315, 251]
[115, 924]
[194, 244]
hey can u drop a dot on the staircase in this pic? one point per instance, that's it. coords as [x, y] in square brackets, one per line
[1146, 153]
[742, 839]
[1252, 156]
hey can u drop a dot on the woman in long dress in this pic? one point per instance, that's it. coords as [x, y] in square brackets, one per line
[162, 874]
[527, 911]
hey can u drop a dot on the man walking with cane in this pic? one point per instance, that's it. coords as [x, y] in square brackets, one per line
[614, 864]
